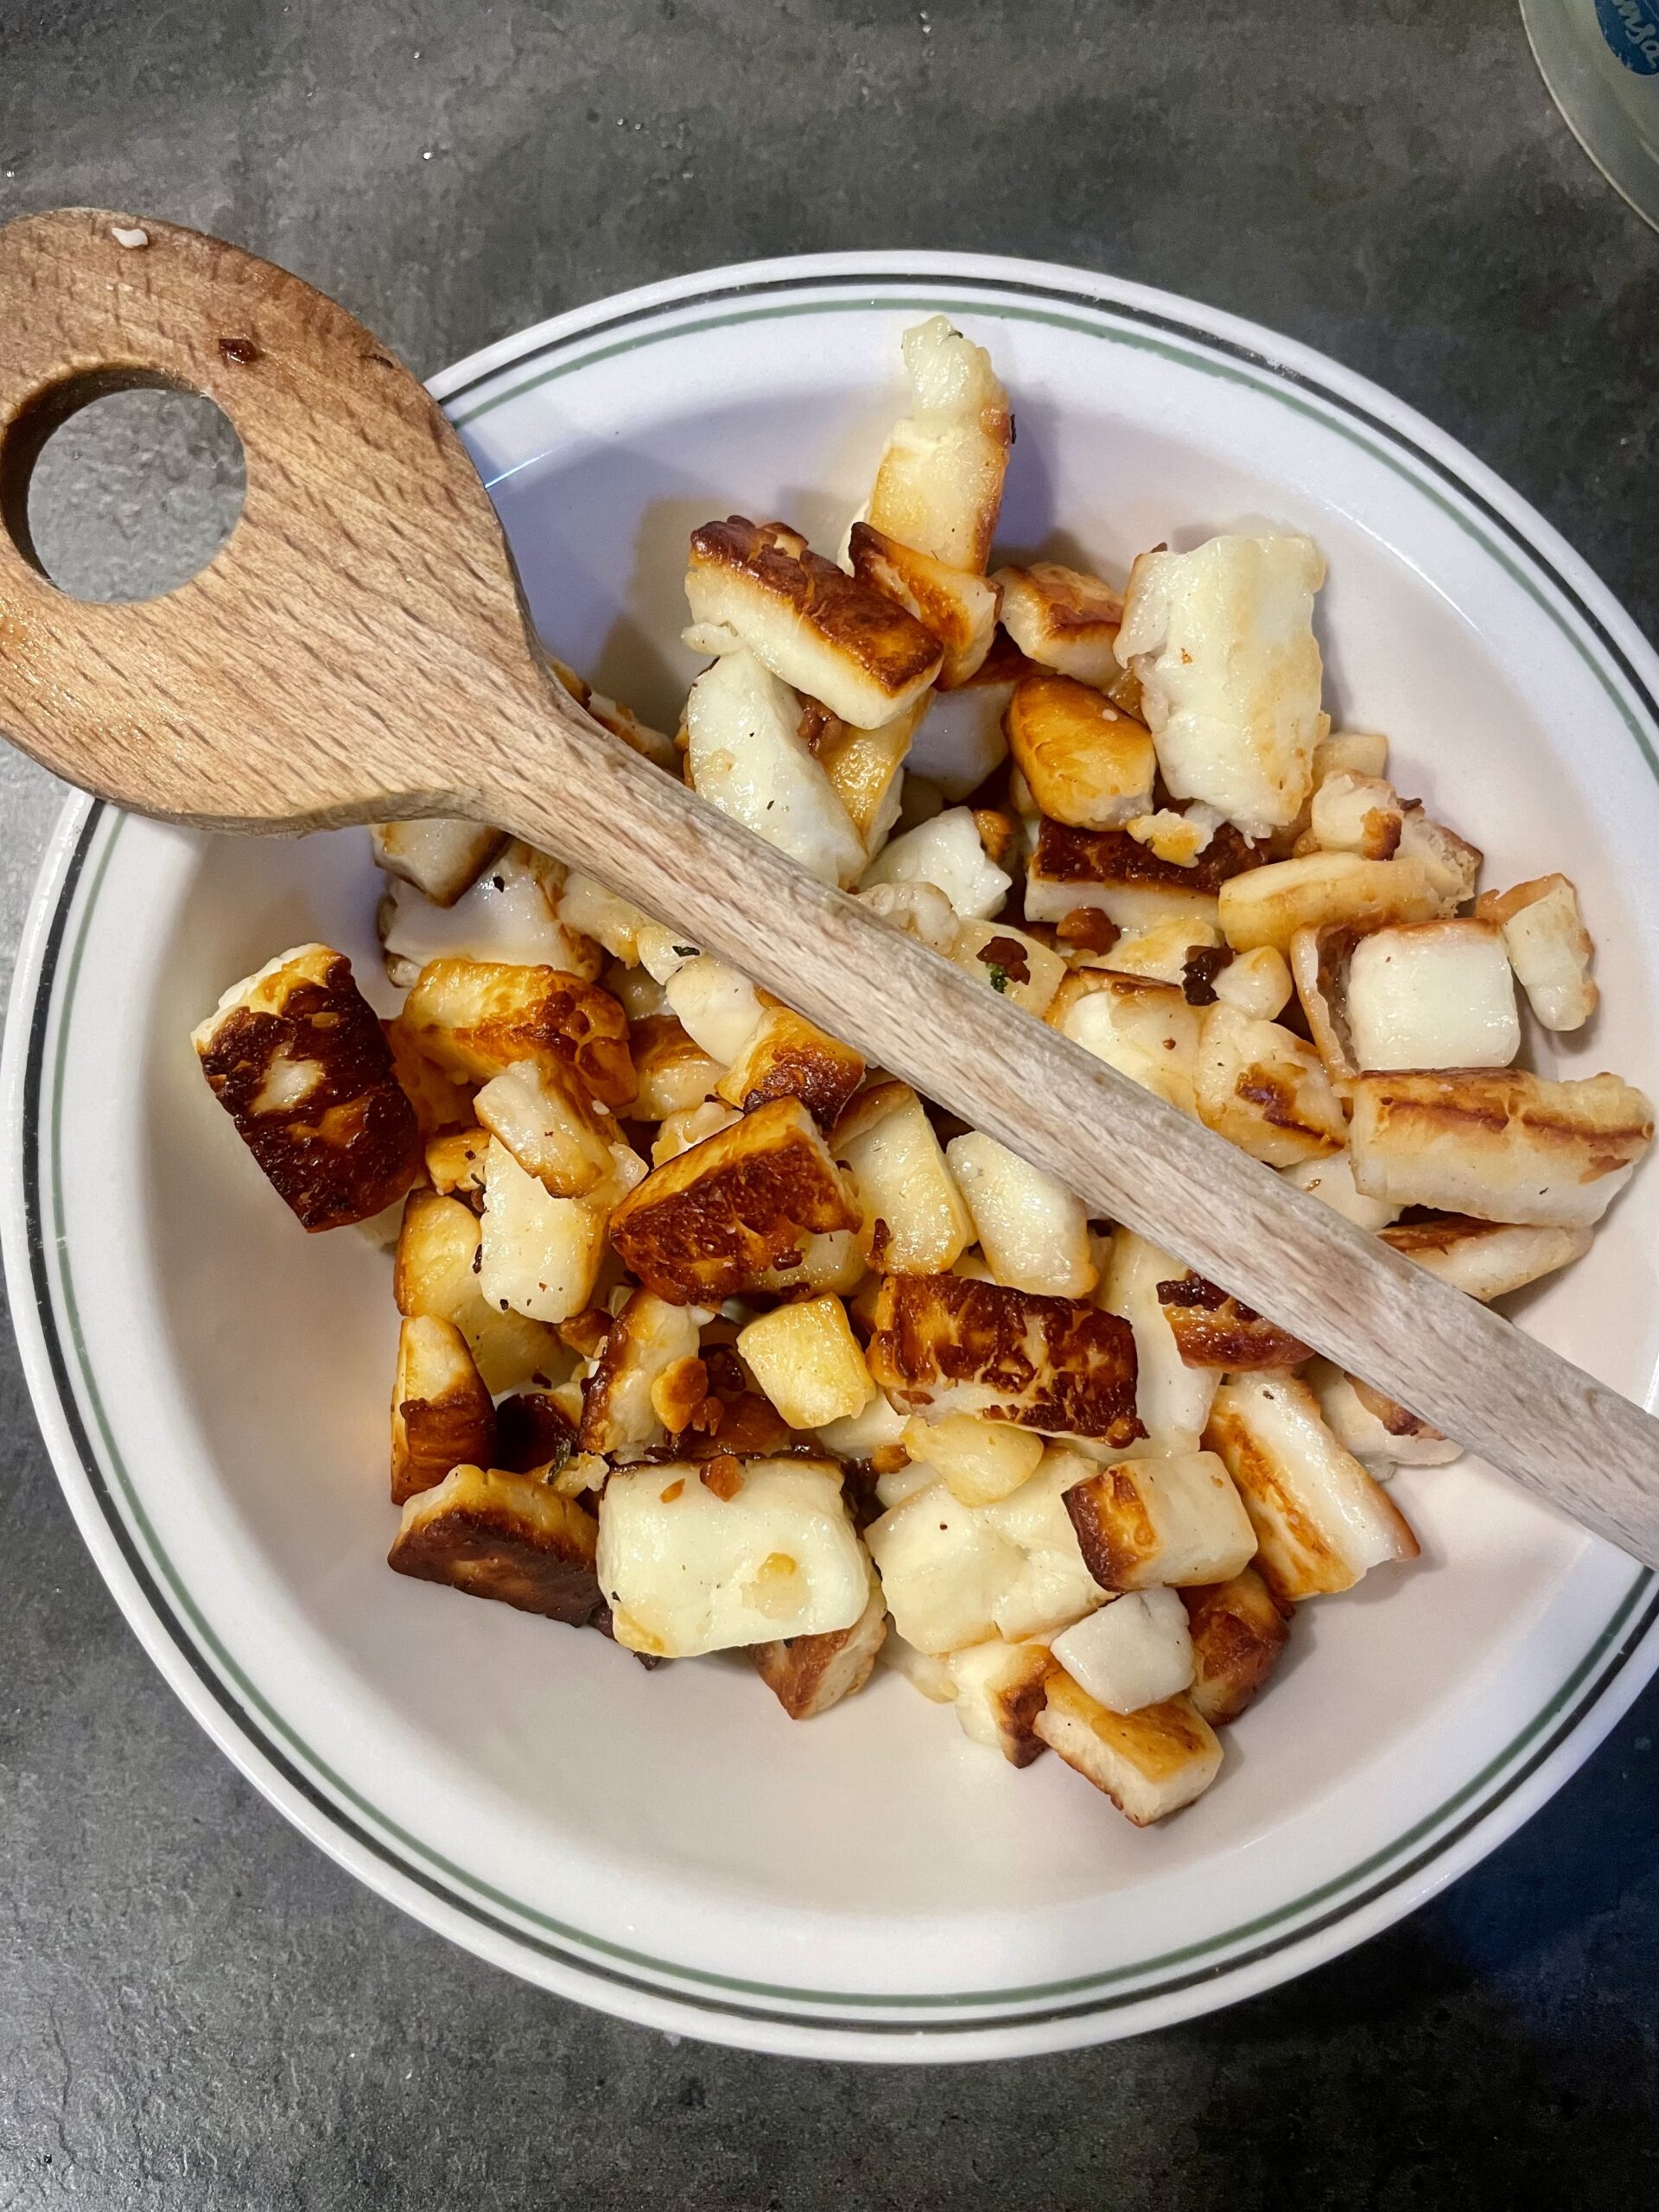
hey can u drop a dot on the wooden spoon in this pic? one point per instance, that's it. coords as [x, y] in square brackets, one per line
[360, 650]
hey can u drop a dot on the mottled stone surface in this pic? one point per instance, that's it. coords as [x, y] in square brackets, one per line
[196, 2009]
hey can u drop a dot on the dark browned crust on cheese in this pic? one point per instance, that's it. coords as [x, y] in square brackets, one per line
[353, 1145]
[1450, 1100]
[886, 641]
[1114, 1529]
[809, 1673]
[1068, 855]
[717, 1219]
[1074, 604]
[789, 1056]
[532, 1430]
[1212, 1330]
[915, 582]
[932, 1332]
[1238, 1635]
[497, 1553]
[432, 1435]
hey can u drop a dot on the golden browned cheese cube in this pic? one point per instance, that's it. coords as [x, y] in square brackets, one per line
[809, 1673]
[476, 1017]
[297, 1059]
[1057, 1364]
[1064, 619]
[787, 1056]
[712, 1221]
[1150, 1764]
[441, 1415]
[1088, 766]
[954, 605]
[1213, 1330]
[1238, 1633]
[1487, 1259]
[454, 1162]
[437, 1271]
[510, 1537]
[811, 623]
[440, 1103]
[675, 1073]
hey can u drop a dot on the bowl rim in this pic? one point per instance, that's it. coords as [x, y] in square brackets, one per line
[1607, 1680]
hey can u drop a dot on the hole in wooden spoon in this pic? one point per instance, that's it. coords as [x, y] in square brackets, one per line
[122, 492]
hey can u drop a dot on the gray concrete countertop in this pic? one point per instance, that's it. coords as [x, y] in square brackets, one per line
[196, 2008]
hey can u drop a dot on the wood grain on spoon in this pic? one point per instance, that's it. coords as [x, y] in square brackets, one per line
[359, 649]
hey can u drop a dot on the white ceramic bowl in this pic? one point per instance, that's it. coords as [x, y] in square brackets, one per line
[669, 1846]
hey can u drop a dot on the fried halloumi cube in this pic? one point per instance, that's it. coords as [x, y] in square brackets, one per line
[1268, 905]
[297, 1059]
[710, 1224]
[1150, 1764]
[921, 1669]
[441, 1415]
[1451, 862]
[939, 487]
[1033, 1232]
[956, 607]
[1053, 1587]
[1260, 1086]
[1258, 983]
[1374, 1427]
[1213, 1330]
[809, 1362]
[1162, 952]
[1487, 1259]
[545, 1119]
[1051, 1363]
[1010, 961]
[1549, 947]
[440, 1103]
[816, 628]
[745, 755]
[1087, 764]
[1107, 868]
[1433, 995]
[675, 1076]
[1349, 753]
[647, 1340]
[866, 768]
[959, 742]
[999, 1688]
[475, 1018]
[788, 1057]
[696, 1558]
[588, 907]
[1145, 1521]
[1331, 1180]
[1179, 838]
[440, 856]
[512, 913]
[1351, 813]
[920, 910]
[981, 1461]
[1136, 1652]
[1146, 1030]
[948, 851]
[809, 1673]
[540, 1254]
[1172, 1399]
[719, 1008]
[1499, 1143]
[1222, 642]
[911, 1218]
[512, 1537]
[944, 1566]
[1238, 1633]
[1320, 1521]
[1066, 620]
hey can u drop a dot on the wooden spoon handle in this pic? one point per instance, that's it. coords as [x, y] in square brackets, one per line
[1133, 1158]
[359, 650]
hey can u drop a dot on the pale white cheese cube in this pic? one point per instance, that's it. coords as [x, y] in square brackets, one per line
[747, 756]
[1033, 1232]
[944, 1568]
[1433, 995]
[689, 1564]
[946, 851]
[1136, 1651]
